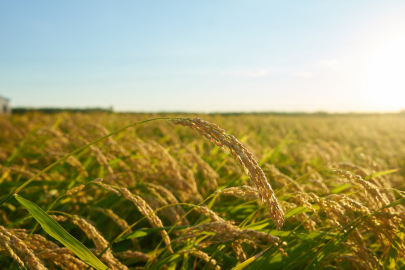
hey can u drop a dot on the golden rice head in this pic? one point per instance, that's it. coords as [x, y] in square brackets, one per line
[230, 144]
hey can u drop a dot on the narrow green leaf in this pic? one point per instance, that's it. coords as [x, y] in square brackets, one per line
[135, 234]
[172, 266]
[249, 261]
[340, 188]
[296, 211]
[400, 201]
[267, 155]
[330, 247]
[259, 225]
[18, 149]
[59, 233]
[276, 151]
[184, 265]
[169, 259]
[396, 247]
[381, 173]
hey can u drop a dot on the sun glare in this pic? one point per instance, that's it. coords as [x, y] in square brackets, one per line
[386, 76]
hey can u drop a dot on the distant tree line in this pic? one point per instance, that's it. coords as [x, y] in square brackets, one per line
[22, 110]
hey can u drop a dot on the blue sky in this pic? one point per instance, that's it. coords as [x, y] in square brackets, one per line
[204, 56]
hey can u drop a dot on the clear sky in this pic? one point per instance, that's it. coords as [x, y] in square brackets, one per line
[204, 56]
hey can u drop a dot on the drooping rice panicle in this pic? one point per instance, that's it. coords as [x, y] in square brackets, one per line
[202, 255]
[98, 181]
[245, 158]
[153, 219]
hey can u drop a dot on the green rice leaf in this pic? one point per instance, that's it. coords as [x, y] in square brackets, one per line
[340, 188]
[381, 173]
[145, 231]
[249, 261]
[131, 235]
[314, 264]
[296, 211]
[396, 246]
[400, 201]
[59, 233]
[170, 258]
[259, 225]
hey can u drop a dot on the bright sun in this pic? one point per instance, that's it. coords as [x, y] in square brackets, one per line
[386, 76]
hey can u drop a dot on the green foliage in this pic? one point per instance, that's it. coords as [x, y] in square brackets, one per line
[44, 155]
[56, 231]
[397, 242]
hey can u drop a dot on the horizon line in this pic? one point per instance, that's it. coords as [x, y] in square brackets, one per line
[110, 109]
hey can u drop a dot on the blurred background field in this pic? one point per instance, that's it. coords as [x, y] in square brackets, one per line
[165, 164]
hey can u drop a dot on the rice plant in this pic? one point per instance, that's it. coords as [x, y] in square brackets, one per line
[144, 191]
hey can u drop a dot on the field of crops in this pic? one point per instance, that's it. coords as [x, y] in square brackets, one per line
[284, 192]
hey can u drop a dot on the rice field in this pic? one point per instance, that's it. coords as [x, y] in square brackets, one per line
[226, 192]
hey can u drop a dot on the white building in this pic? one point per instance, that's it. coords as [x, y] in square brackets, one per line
[5, 106]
